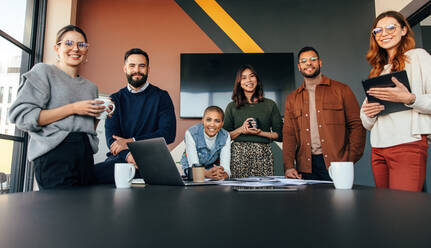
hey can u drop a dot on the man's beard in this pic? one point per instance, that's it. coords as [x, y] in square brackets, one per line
[137, 83]
[315, 74]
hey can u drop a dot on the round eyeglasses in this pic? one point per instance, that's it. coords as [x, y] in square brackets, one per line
[304, 60]
[83, 46]
[389, 29]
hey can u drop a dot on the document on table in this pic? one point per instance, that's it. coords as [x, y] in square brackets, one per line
[256, 179]
[270, 181]
[301, 181]
[138, 181]
[251, 184]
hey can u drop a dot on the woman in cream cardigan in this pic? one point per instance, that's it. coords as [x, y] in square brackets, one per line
[398, 140]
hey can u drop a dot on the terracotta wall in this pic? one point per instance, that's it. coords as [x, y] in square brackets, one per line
[160, 27]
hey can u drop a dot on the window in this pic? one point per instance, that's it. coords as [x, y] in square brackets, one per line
[21, 36]
[9, 96]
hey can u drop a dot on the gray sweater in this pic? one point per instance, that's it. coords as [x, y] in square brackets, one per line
[48, 87]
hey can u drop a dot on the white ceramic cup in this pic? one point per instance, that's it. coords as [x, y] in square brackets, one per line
[106, 102]
[124, 173]
[342, 174]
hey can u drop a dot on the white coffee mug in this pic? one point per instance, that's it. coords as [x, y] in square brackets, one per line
[342, 174]
[106, 102]
[124, 173]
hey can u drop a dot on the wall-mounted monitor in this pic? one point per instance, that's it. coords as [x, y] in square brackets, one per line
[208, 79]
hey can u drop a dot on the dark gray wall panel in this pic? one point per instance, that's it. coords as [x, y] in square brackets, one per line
[338, 29]
[213, 31]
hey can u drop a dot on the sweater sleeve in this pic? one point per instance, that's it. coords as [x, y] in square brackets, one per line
[225, 156]
[423, 102]
[167, 126]
[33, 96]
[192, 154]
[277, 122]
[367, 122]
[228, 118]
[112, 125]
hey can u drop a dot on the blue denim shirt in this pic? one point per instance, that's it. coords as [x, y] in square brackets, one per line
[206, 156]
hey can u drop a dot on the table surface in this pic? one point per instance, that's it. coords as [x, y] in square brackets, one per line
[215, 216]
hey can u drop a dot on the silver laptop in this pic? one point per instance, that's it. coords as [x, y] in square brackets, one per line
[156, 165]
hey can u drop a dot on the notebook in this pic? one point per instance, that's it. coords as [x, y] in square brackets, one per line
[156, 165]
[383, 82]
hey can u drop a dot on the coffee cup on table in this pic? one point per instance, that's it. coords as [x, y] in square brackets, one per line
[342, 174]
[188, 173]
[123, 175]
[198, 172]
[108, 105]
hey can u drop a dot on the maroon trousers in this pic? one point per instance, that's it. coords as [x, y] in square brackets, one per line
[402, 166]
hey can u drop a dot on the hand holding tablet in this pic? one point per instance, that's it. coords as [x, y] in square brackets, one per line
[390, 90]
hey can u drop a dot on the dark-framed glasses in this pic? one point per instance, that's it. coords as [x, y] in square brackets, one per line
[390, 29]
[312, 59]
[70, 44]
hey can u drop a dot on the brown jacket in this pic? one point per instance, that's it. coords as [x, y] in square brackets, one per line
[341, 133]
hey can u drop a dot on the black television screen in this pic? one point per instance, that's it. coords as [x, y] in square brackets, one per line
[208, 79]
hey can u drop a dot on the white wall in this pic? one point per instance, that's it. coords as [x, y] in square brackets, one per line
[385, 5]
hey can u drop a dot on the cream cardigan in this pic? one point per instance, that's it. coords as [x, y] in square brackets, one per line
[406, 126]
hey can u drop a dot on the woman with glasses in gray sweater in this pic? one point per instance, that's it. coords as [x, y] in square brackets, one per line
[55, 106]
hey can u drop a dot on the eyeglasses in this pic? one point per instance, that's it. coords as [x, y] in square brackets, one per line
[70, 44]
[390, 29]
[304, 60]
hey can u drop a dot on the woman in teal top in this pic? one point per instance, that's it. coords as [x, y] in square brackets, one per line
[253, 122]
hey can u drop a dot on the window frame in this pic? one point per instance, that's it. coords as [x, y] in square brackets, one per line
[30, 56]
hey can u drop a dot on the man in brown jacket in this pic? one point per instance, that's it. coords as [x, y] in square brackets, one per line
[321, 123]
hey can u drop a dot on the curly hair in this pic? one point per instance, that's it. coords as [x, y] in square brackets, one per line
[377, 57]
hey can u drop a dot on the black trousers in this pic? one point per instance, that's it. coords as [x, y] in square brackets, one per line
[318, 170]
[69, 164]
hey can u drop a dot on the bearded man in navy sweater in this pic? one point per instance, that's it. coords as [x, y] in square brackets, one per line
[142, 111]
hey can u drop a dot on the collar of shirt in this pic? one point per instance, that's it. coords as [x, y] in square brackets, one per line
[325, 81]
[137, 91]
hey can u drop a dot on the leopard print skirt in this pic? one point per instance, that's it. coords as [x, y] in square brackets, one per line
[251, 159]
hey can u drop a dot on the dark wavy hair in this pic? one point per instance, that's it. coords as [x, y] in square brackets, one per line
[238, 95]
[377, 57]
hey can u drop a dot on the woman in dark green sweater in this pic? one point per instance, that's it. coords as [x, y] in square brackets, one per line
[253, 122]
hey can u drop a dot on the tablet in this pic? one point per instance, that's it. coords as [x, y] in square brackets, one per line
[385, 81]
[265, 189]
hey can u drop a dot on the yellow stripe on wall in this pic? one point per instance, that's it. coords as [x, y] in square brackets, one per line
[229, 26]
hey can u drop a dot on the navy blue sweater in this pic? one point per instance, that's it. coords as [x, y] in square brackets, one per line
[143, 115]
